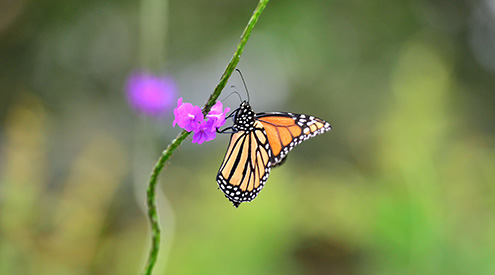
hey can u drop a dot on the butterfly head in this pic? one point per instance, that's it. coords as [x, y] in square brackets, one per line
[244, 118]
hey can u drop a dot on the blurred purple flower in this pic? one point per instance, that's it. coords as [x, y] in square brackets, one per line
[217, 115]
[205, 133]
[187, 116]
[150, 94]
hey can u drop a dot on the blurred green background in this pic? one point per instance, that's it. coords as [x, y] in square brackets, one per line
[403, 184]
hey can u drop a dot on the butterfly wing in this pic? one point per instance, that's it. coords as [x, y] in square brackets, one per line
[246, 165]
[286, 130]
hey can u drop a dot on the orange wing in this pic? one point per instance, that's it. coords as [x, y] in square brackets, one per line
[286, 130]
[246, 165]
[259, 143]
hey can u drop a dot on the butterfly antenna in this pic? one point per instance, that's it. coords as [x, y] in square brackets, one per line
[244, 82]
[234, 92]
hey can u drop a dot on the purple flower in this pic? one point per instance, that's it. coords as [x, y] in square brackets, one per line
[176, 111]
[150, 94]
[204, 133]
[191, 118]
[187, 116]
[217, 115]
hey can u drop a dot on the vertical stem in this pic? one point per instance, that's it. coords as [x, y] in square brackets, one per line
[151, 191]
[237, 55]
[151, 201]
[153, 31]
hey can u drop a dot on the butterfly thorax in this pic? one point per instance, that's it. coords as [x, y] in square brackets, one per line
[244, 118]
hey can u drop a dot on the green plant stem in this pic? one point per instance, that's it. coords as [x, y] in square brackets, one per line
[237, 55]
[151, 191]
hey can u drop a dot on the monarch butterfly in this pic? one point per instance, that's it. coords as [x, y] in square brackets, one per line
[259, 142]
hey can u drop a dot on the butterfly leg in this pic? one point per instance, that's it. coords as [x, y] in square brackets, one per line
[231, 114]
[224, 131]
